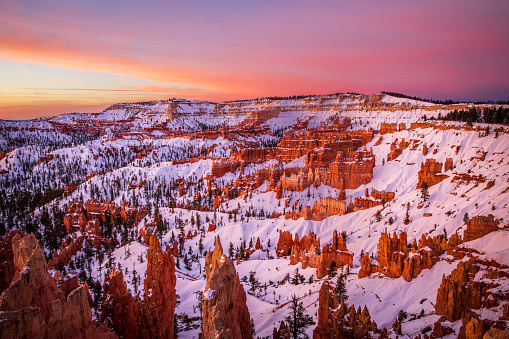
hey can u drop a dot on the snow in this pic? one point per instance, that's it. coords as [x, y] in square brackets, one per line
[117, 167]
[493, 246]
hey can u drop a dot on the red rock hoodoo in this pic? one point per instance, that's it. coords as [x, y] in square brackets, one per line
[306, 252]
[282, 333]
[479, 226]
[7, 268]
[225, 314]
[154, 316]
[429, 173]
[335, 320]
[33, 306]
[397, 259]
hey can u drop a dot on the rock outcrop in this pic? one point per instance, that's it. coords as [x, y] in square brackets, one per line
[220, 167]
[306, 251]
[282, 333]
[429, 173]
[7, 267]
[397, 149]
[103, 213]
[69, 189]
[376, 198]
[495, 333]
[448, 164]
[34, 307]
[479, 226]
[160, 293]
[335, 320]
[225, 313]
[68, 249]
[285, 243]
[154, 316]
[337, 252]
[388, 128]
[396, 258]
[458, 293]
[368, 267]
[120, 307]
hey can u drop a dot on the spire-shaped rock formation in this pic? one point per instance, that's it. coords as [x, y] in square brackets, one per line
[225, 313]
[152, 318]
[335, 320]
[33, 306]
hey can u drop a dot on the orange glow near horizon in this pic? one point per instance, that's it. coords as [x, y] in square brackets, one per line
[58, 57]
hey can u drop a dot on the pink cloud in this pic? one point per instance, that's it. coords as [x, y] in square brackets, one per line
[257, 49]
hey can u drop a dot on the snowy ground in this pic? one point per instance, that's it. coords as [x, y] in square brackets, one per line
[384, 297]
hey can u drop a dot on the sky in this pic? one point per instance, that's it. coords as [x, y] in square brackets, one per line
[82, 56]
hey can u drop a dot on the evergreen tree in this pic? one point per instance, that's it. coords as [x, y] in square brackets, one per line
[465, 218]
[407, 216]
[298, 321]
[340, 289]
[253, 330]
[297, 277]
[424, 191]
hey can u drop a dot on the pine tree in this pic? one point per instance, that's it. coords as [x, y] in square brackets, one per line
[340, 289]
[424, 191]
[465, 218]
[297, 278]
[407, 216]
[253, 329]
[298, 321]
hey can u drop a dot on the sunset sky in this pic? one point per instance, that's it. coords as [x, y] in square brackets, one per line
[68, 56]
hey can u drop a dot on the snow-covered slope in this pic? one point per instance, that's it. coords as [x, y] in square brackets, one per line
[163, 154]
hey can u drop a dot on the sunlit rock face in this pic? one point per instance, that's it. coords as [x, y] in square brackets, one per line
[225, 313]
[34, 306]
[152, 317]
